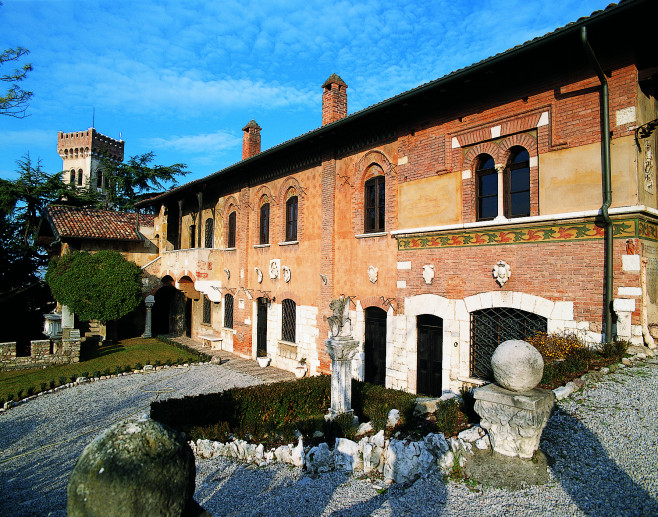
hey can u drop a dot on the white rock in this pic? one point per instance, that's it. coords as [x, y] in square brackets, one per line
[297, 454]
[378, 439]
[436, 443]
[483, 443]
[563, 391]
[282, 454]
[448, 396]
[347, 456]
[517, 365]
[204, 449]
[446, 462]
[471, 434]
[364, 428]
[393, 418]
[319, 459]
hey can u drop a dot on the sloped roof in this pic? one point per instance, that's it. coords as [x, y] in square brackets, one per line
[560, 32]
[86, 223]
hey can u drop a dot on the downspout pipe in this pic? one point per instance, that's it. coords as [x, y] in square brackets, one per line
[606, 179]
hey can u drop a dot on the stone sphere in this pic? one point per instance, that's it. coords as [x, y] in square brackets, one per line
[134, 468]
[517, 365]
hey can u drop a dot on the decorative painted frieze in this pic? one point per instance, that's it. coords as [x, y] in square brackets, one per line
[553, 233]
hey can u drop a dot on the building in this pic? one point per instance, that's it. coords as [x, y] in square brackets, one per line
[481, 206]
[82, 153]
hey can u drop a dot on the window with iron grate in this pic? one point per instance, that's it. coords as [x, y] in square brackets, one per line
[228, 311]
[491, 327]
[207, 310]
[289, 320]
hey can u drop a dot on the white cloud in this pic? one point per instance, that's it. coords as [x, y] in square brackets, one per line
[208, 143]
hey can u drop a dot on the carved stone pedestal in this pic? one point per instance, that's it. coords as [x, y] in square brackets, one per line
[514, 420]
[341, 349]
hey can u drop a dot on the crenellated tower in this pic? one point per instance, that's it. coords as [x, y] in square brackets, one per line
[82, 153]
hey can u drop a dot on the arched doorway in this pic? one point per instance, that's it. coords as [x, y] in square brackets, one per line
[430, 355]
[374, 346]
[164, 300]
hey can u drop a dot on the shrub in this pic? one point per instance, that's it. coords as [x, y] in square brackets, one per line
[97, 374]
[106, 372]
[62, 380]
[615, 349]
[30, 391]
[341, 426]
[446, 415]
[138, 366]
[85, 375]
[10, 396]
[52, 384]
[558, 345]
[19, 396]
[43, 386]
[73, 377]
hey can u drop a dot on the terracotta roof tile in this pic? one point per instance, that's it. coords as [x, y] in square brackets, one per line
[88, 223]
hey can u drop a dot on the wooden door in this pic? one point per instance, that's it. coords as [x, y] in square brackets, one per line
[375, 346]
[261, 327]
[430, 355]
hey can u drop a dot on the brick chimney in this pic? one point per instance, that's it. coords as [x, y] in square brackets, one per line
[334, 100]
[251, 140]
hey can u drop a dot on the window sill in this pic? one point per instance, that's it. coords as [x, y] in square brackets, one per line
[372, 234]
[261, 246]
[228, 329]
[227, 249]
[289, 243]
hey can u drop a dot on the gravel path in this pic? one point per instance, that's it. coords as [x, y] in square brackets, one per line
[603, 439]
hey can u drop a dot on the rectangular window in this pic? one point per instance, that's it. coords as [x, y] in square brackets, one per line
[291, 219]
[230, 241]
[289, 320]
[210, 235]
[192, 236]
[228, 311]
[265, 224]
[375, 205]
[207, 310]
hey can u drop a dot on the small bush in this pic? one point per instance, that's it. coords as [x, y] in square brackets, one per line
[52, 384]
[85, 375]
[62, 380]
[557, 346]
[106, 372]
[43, 386]
[73, 377]
[341, 426]
[447, 416]
[19, 396]
[30, 391]
[138, 366]
[97, 374]
[615, 349]
[10, 396]
[157, 363]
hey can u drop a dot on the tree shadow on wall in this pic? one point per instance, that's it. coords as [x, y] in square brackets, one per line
[588, 474]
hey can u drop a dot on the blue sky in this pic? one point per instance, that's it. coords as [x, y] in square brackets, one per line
[181, 79]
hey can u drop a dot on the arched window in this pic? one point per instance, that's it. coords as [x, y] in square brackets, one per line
[72, 177]
[517, 183]
[230, 239]
[228, 311]
[289, 320]
[210, 232]
[291, 219]
[487, 188]
[375, 202]
[264, 224]
[79, 177]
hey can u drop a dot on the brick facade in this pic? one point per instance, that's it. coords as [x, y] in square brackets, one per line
[425, 144]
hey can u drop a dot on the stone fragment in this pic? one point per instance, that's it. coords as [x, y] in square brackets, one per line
[471, 434]
[283, 454]
[134, 468]
[318, 435]
[446, 462]
[405, 462]
[297, 454]
[378, 439]
[483, 443]
[347, 456]
[204, 449]
[393, 418]
[436, 443]
[626, 361]
[319, 459]
[517, 365]
[364, 428]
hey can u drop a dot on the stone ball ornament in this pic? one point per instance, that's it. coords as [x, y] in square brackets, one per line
[517, 365]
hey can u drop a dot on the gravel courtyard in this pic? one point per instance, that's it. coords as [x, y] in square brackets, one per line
[603, 441]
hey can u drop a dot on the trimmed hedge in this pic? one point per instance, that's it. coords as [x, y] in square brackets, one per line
[273, 412]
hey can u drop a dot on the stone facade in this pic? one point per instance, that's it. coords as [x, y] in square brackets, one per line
[42, 353]
[421, 153]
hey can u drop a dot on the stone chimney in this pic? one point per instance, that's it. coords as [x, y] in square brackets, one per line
[334, 100]
[251, 140]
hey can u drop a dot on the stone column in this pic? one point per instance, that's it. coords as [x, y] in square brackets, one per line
[341, 349]
[149, 301]
[68, 321]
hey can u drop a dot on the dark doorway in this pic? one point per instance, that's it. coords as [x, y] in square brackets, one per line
[188, 317]
[261, 328]
[375, 346]
[430, 355]
[162, 310]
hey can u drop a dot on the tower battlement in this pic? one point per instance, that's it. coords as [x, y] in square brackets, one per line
[80, 144]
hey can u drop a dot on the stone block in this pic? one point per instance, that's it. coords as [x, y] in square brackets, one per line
[562, 311]
[544, 307]
[623, 304]
[528, 302]
[630, 263]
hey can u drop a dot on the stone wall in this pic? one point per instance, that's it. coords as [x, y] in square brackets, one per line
[43, 353]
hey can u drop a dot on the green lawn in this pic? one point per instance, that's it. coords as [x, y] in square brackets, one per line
[95, 360]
